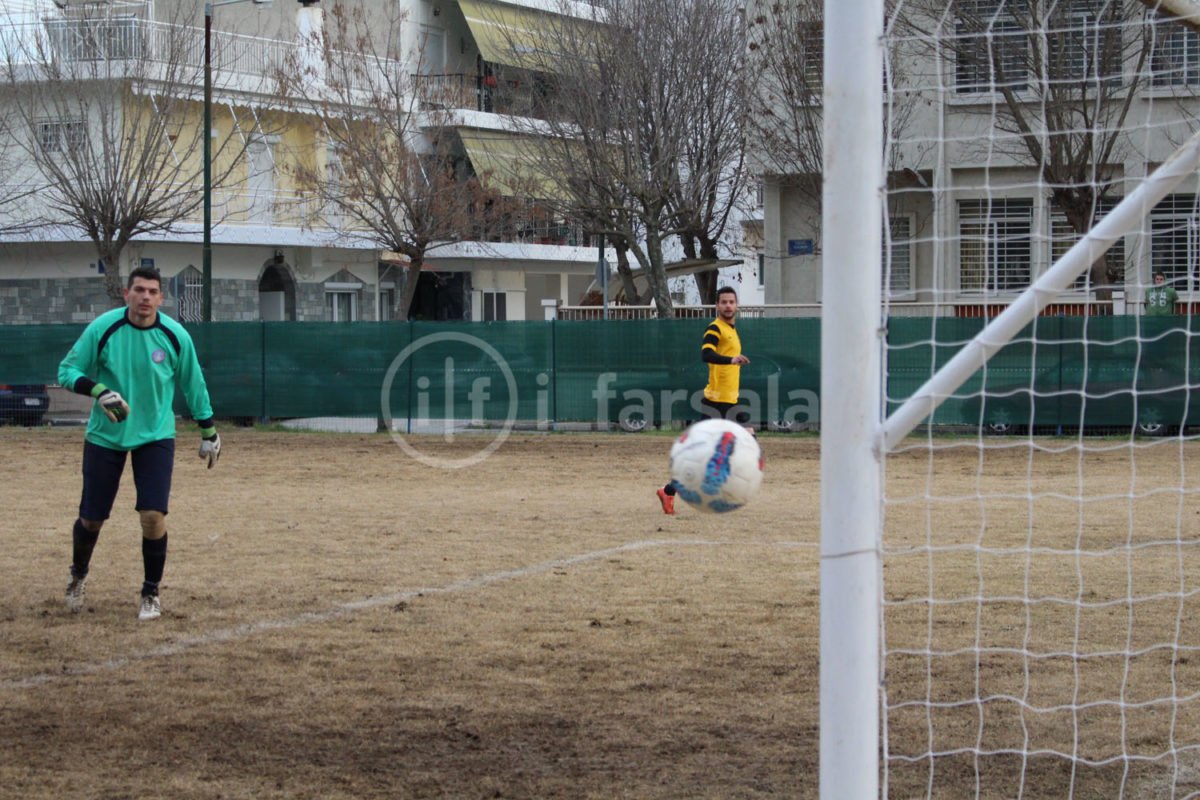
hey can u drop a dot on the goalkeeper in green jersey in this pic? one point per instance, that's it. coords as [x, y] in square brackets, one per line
[130, 359]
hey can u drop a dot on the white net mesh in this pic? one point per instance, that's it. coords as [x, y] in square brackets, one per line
[1041, 543]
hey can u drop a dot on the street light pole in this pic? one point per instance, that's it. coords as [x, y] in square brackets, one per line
[206, 252]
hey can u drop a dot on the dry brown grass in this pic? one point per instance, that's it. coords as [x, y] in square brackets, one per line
[343, 622]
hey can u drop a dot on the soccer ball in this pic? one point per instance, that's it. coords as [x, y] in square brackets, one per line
[716, 465]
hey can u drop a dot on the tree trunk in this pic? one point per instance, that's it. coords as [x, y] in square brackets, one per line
[114, 287]
[1077, 206]
[656, 276]
[632, 296]
[706, 282]
[408, 290]
[1102, 283]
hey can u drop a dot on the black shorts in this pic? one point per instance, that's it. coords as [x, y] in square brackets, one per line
[102, 468]
[730, 411]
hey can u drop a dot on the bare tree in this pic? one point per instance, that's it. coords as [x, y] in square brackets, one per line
[784, 123]
[390, 171]
[640, 124]
[785, 54]
[1068, 74]
[712, 173]
[108, 111]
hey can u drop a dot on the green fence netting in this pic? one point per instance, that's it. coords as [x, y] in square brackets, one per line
[1058, 371]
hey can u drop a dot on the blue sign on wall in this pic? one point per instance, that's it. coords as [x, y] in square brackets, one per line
[800, 247]
[148, 262]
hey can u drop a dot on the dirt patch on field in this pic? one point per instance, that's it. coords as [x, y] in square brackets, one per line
[343, 621]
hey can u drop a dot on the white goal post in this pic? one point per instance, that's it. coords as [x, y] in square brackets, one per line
[850, 406]
[1012, 615]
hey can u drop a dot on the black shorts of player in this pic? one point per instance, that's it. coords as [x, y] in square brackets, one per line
[102, 468]
[730, 411]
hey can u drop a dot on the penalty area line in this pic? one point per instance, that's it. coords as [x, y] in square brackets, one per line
[247, 631]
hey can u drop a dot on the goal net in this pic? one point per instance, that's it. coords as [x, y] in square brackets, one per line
[1016, 614]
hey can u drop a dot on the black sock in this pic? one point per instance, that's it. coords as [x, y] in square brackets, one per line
[669, 490]
[84, 542]
[154, 557]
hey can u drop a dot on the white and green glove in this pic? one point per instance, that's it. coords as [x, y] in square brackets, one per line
[210, 446]
[111, 403]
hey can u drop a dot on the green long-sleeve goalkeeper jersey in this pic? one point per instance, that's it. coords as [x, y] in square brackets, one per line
[142, 365]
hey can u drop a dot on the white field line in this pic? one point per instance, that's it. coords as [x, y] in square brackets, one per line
[315, 617]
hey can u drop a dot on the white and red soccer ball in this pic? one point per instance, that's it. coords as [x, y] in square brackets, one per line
[716, 465]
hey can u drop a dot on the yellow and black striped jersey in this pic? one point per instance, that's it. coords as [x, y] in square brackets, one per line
[722, 378]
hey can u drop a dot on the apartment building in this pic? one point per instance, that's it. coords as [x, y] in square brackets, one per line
[974, 211]
[274, 254]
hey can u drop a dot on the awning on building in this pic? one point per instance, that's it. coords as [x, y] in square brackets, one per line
[507, 164]
[518, 37]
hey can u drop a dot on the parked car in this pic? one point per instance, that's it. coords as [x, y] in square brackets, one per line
[1101, 393]
[23, 404]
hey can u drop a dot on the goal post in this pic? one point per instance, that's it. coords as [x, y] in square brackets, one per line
[1010, 565]
[851, 394]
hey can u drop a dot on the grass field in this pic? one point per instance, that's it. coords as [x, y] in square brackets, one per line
[341, 621]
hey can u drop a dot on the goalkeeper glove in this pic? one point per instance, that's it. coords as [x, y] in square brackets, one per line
[112, 404]
[210, 447]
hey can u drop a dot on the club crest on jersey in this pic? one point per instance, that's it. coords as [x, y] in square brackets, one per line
[158, 356]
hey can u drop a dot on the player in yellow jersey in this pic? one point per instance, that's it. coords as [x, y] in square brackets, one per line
[722, 351]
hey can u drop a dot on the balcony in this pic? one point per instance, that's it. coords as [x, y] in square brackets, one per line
[511, 91]
[133, 47]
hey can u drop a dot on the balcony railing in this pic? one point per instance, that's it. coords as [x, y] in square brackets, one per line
[688, 312]
[961, 307]
[139, 43]
[518, 95]
[565, 233]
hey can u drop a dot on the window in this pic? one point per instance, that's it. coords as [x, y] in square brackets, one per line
[1175, 241]
[1176, 57]
[335, 175]
[1083, 45]
[812, 58]
[762, 270]
[991, 48]
[387, 301]
[260, 178]
[1063, 237]
[433, 50]
[898, 269]
[994, 251]
[188, 289]
[341, 305]
[494, 309]
[61, 136]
